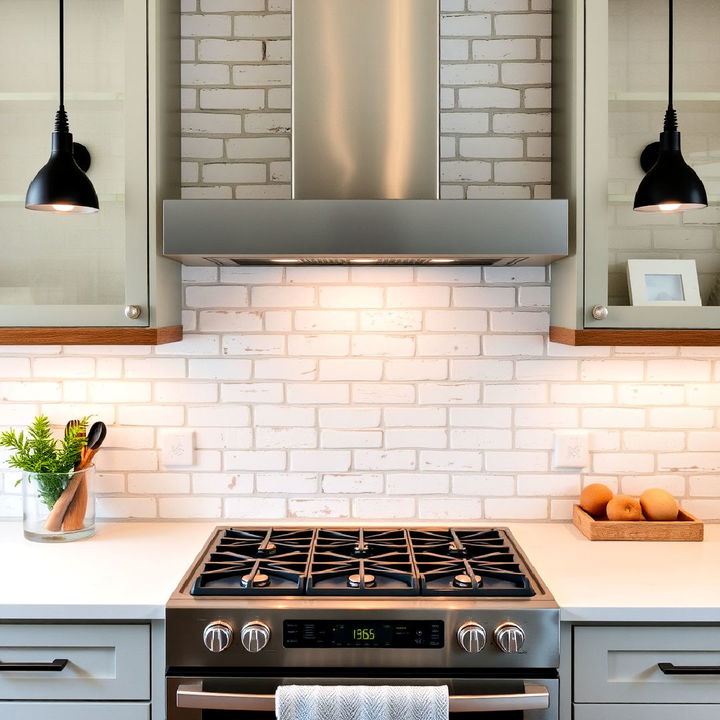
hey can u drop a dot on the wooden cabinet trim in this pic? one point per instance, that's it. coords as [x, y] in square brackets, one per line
[569, 336]
[90, 335]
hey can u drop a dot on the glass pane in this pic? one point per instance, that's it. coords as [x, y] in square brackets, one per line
[638, 74]
[49, 258]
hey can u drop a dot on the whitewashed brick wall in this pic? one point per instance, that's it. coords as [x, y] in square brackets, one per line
[372, 393]
[494, 98]
[386, 393]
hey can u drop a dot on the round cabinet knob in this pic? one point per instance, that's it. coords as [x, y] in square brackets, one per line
[218, 636]
[471, 637]
[133, 312]
[509, 637]
[599, 312]
[255, 636]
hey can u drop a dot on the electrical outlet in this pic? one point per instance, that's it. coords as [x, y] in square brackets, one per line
[177, 447]
[571, 450]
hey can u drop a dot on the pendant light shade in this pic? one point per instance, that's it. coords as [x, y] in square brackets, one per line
[61, 186]
[670, 185]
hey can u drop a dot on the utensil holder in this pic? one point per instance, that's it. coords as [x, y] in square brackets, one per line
[74, 516]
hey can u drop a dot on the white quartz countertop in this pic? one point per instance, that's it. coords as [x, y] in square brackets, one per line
[128, 570]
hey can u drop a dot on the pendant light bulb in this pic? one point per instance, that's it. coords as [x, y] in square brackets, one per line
[61, 186]
[670, 185]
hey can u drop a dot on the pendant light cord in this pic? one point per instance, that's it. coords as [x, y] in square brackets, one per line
[62, 52]
[61, 121]
[670, 114]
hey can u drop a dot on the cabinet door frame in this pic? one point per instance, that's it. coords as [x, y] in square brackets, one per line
[595, 233]
[136, 203]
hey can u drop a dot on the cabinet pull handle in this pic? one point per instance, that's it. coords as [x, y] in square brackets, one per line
[670, 669]
[54, 666]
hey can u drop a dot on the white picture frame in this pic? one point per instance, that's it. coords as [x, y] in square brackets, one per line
[663, 283]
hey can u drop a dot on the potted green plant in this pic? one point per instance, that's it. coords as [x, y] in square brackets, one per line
[57, 479]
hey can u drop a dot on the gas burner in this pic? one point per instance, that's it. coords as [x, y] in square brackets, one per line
[268, 548]
[356, 580]
[258, 580]
[465, 581]
[455, 548]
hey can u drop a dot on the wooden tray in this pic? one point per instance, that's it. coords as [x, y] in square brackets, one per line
[686, 528]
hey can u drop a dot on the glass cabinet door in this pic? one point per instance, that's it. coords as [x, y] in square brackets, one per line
[625, 102]
[74, 270]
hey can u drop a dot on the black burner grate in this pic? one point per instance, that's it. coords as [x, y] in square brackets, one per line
[256, 562]
[468, 562]
[363, 563]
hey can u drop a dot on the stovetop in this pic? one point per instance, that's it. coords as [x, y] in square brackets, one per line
[362, 562]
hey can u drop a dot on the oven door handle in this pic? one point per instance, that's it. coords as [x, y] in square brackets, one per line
[535, 697]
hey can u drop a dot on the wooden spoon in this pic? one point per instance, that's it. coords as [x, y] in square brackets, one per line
[75, 513]
[54, 519]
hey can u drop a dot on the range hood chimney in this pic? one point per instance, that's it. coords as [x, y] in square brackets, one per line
[365, 161]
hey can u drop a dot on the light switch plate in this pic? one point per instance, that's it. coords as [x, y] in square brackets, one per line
[177, 447]
[571, 450]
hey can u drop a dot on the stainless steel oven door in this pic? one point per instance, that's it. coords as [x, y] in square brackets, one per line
[253, 698]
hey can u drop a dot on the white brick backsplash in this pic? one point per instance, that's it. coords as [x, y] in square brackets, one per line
[266, 437]
[285, 369]
[446, 508]
[351, 369]
[297, 483]
[318, 394]
[351, 439]
[504, 49]
[516, 508]
[321, 460]
[351, 296]
[383, 345]
[385, 459]
[350, 417]
[383, 508]
[230, 50]
[255, 507]
[254, 392]
[352, 484]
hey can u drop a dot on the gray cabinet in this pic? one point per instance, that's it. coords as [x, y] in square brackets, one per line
[616, 672]
[609, 97]
[105, 673]
[68, 278]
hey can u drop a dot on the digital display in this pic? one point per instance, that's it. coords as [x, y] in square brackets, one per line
[349, 633]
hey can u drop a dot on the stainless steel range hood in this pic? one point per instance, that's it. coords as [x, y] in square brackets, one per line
[365, 161]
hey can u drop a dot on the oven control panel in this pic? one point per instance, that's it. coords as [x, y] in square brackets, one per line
[363, 634]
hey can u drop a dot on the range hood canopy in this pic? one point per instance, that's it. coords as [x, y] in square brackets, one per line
[477, 232]
[365, 161]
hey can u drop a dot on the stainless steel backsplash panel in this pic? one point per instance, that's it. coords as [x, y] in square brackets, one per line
[365, 99]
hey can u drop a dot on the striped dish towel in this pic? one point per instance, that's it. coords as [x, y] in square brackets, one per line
[361, 702]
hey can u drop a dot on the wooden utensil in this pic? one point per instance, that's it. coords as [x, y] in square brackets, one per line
[75, 513]
[55, 518]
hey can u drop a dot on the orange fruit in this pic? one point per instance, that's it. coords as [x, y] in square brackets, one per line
[594, 498]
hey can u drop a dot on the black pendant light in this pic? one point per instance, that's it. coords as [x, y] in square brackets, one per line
[62, 186]
[670, 185]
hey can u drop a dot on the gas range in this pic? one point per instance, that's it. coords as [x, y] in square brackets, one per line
[357, 603]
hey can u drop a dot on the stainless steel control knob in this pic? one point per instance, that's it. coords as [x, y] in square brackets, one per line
[471, 637]
[509, 637]
[218, 636]
[599, 312]
[255, 636]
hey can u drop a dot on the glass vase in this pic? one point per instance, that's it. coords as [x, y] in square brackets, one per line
[59, 507]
